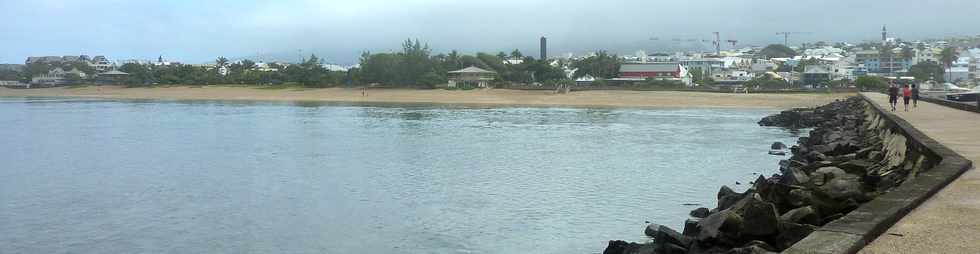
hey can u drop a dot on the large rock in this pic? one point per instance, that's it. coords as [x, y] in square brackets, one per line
[790, 233]
[651, 230]
[842, 147]
[802, 215]
[692, 227]
[723, 227]
[815, 156]
[759, 217]
[623, 247]
[798, 197]
[700, 212]
[669, 241]
[856, 167]
[794, 119]
[727, 197]
[835, 183]
[753, 247]
[778, 146]
[794, 176]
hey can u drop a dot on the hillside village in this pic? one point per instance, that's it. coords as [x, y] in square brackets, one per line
[810, 66]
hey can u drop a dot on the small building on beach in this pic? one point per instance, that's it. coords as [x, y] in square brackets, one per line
[632, 73]
[113, 77]
[471, 77]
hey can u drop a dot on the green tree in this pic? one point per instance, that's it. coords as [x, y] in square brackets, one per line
[871, 83]
[516, 54]
[221, 62]
[415, 62]
[502, 55]
[925, 70]
[73, 78]
[602, 65]
[139, 75]
[947, 57]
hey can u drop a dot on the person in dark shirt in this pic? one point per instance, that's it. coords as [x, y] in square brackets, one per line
[915, 95]
[893, 95]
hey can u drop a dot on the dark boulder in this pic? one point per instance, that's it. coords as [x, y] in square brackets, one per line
[651, 230]
[798, 197]
[778, 146]
[790, 233]
[727, 197]
[794, 119]
[700, 212]
[856, 167]
[863, 153]
[838, 184]
[842, 147]
[748, 250]
[692, 227]
[815, 156]
[616, 247]
[794, 176]
[670, 248]
[759, 218]
[722, 227]
[802, 215]
[753, 247]
[623, 247]
[669, 241]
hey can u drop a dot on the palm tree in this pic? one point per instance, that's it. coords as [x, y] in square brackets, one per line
[221, 62]
[948, 56]
[248, 65]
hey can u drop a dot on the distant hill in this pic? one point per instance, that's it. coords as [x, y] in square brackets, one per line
[11, 67]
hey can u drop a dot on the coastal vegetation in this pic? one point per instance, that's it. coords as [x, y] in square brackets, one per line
[414, 67]
[417, 67]
[871, 83]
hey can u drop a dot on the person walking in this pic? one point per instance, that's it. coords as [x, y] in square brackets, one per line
[915, 96]
[892, 95]
[906, 96]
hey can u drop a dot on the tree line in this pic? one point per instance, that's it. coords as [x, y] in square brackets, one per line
[309, 73]
[417, 66]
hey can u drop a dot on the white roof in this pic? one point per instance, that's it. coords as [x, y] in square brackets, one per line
[472, 69]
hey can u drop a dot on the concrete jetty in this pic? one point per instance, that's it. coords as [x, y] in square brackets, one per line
[949, 222]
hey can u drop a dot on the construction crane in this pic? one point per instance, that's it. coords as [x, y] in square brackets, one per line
[717, 43]
[787, 34]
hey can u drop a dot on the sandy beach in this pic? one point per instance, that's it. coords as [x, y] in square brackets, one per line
[475, 97]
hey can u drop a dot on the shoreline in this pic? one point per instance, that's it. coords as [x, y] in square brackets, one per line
[492, 97]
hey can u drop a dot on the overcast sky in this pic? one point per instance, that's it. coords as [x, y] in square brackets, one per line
[199, 31]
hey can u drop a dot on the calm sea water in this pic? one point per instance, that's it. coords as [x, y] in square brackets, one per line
[105, 176]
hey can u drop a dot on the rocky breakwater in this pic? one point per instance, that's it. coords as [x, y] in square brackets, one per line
[851, 157]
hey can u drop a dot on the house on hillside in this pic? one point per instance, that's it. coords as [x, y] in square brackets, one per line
[54, 77]
[470, 77]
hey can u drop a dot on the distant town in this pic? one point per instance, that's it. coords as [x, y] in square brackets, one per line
[816, 65]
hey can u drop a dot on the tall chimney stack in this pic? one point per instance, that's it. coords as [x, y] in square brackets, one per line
[544, 48]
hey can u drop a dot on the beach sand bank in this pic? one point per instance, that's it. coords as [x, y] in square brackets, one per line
[670, 99]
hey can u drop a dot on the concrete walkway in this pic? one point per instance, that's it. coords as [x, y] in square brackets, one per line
[949, 222]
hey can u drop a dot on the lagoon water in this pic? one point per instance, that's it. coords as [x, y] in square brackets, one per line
[111, 176]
